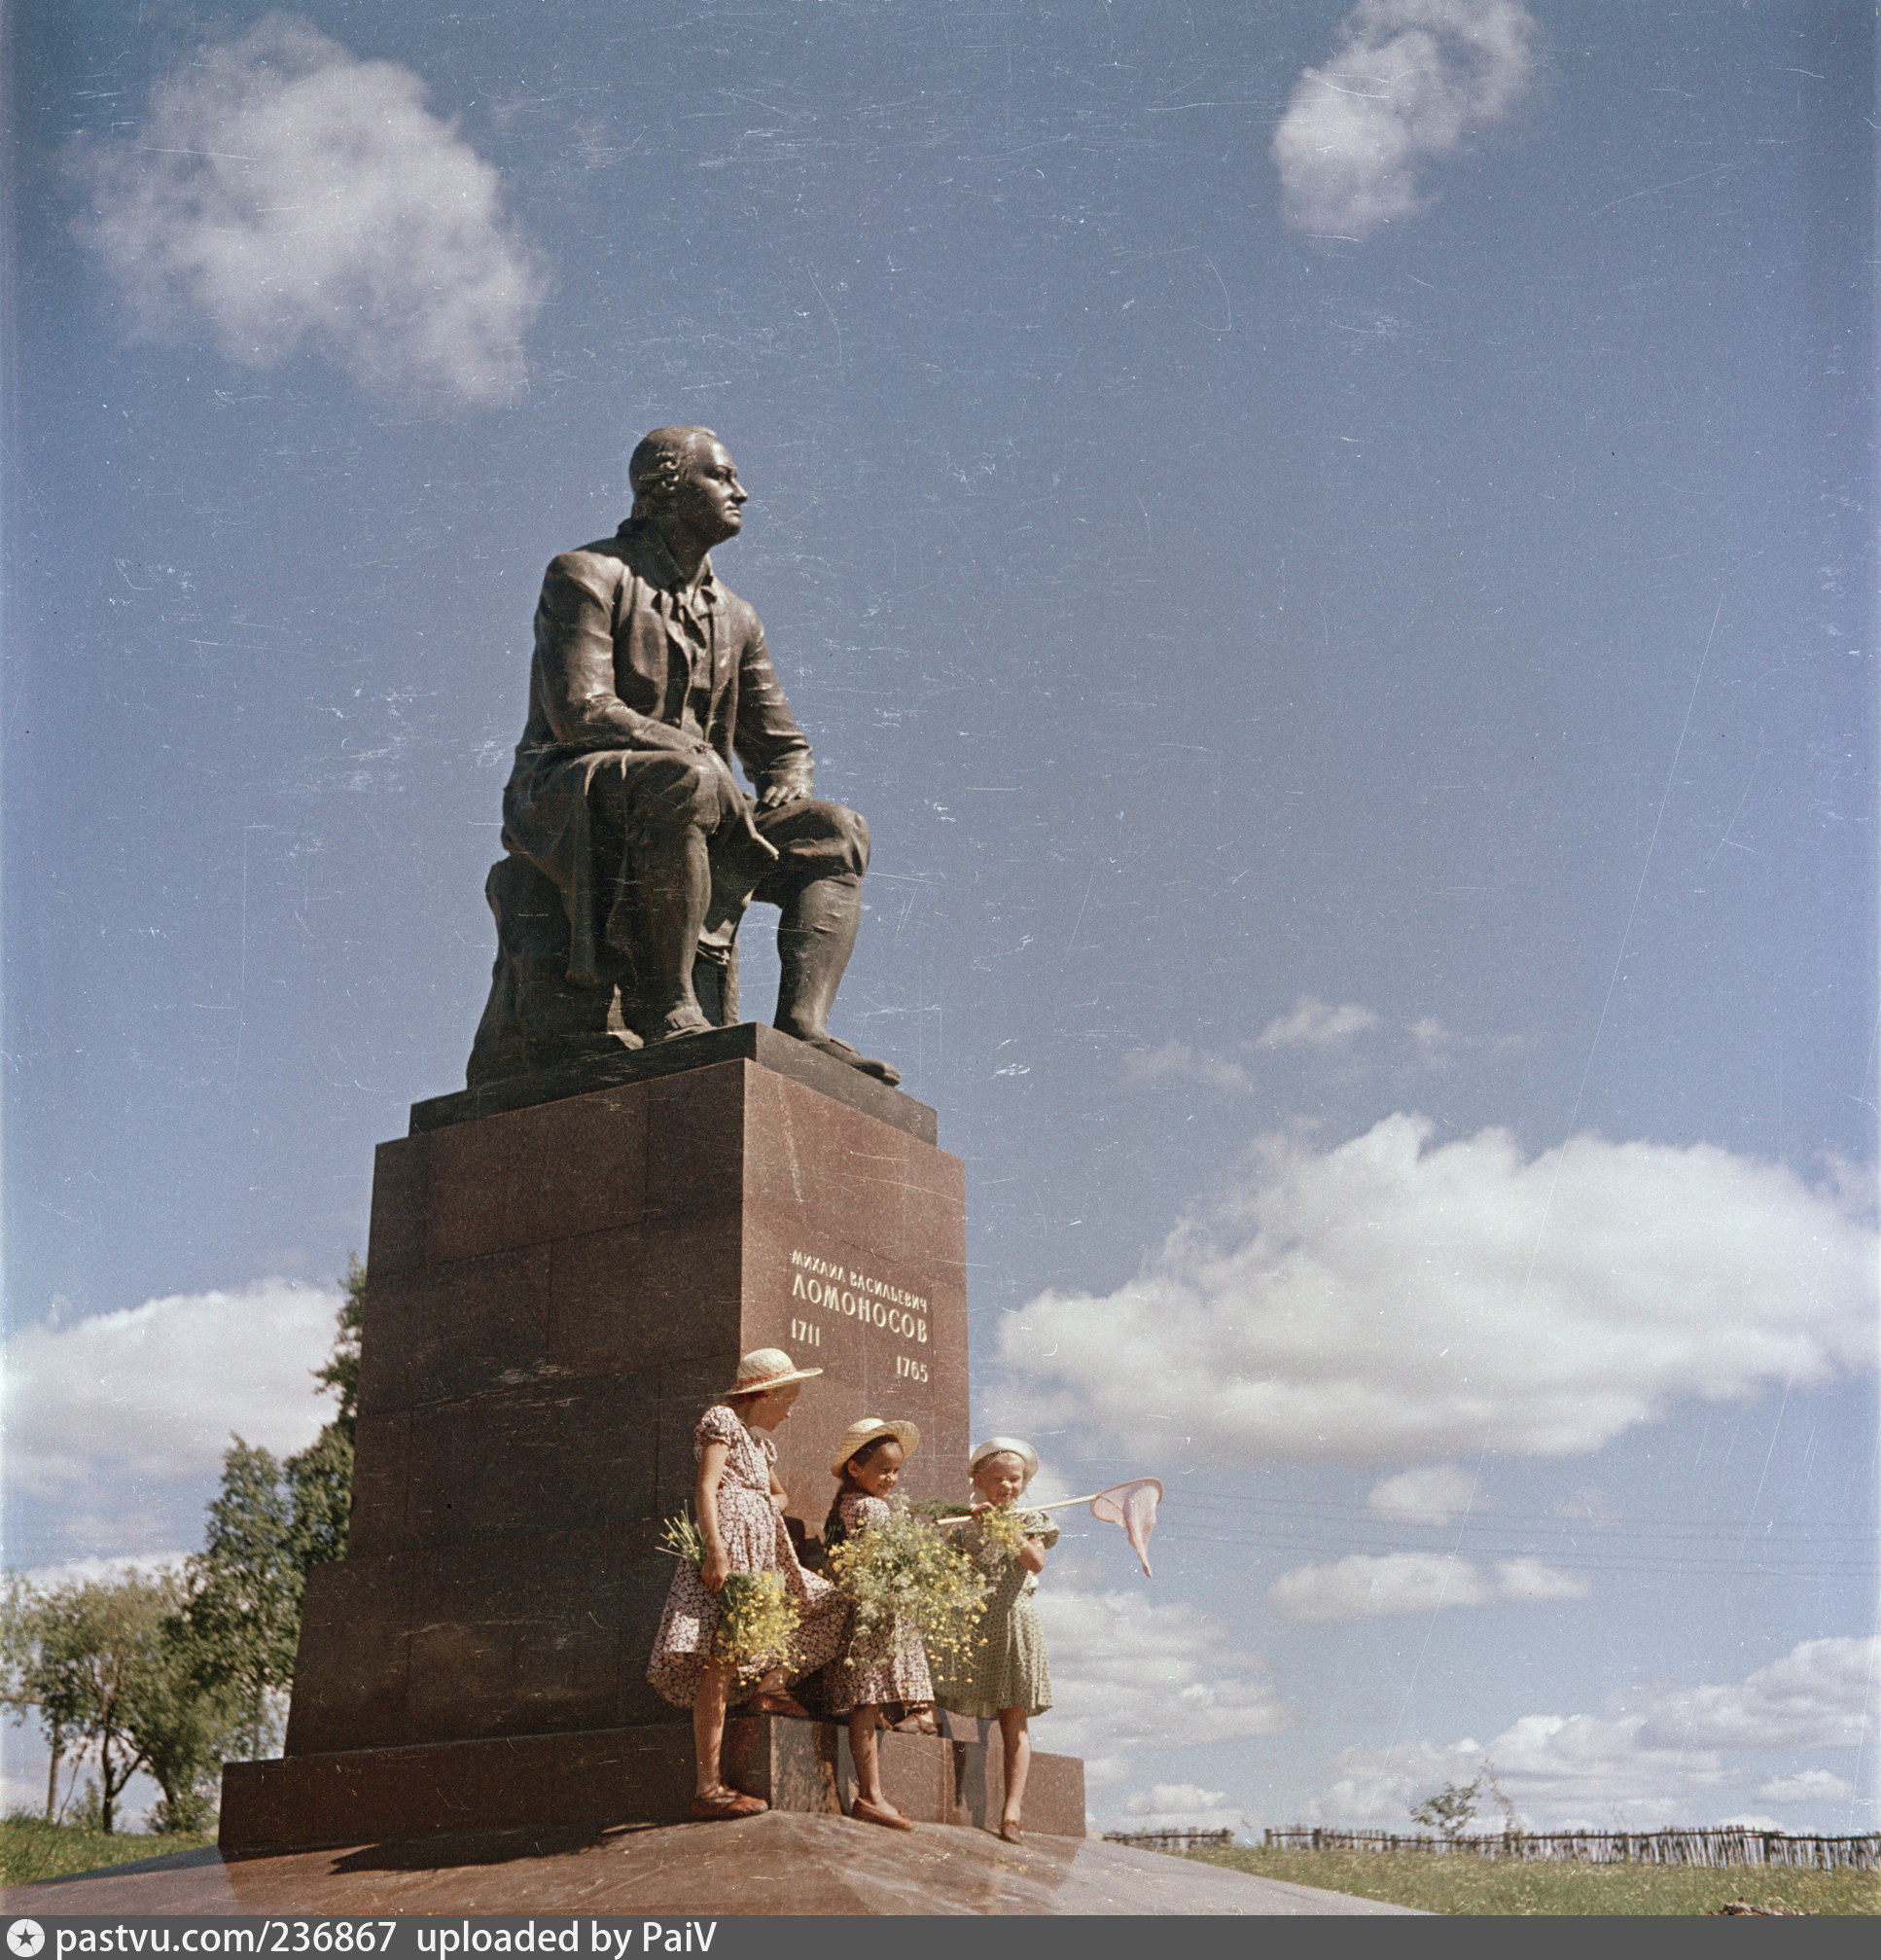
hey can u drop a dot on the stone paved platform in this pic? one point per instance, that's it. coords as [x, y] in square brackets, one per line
[782, 1862]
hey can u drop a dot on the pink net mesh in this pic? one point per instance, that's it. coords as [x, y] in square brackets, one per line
[1133, 1506]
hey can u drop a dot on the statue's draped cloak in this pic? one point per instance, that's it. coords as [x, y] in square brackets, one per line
[621, 645]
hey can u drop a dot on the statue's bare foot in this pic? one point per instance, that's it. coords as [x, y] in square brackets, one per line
[882, 1071]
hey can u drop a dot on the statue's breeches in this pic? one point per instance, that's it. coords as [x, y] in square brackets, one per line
[583, 822]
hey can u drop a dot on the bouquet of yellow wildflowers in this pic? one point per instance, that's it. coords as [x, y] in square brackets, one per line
[906, 1568]
[757, 1620]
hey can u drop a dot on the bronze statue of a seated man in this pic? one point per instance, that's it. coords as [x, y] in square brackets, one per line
[650, 677]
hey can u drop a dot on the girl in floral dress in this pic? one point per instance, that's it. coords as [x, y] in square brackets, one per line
[740, 1504]
[889, 1663]
[1005, 1677]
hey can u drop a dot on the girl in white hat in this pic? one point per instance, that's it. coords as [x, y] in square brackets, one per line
[890, 1664]
[740, 1504]
[1005, 1678]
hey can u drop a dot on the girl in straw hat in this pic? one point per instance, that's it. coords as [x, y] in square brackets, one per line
[889, 1663]
[740, 1504]
[1005, 1677]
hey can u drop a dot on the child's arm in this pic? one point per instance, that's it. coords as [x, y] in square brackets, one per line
[705, 1502]
[1032, 1555]
[779, 1496]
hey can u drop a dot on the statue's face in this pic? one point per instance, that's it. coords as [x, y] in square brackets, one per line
[708, 499]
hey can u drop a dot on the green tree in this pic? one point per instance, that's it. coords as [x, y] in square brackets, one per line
[243, 1612]
[320, 1498]
[186, 1730]
[107, 1670]
[341, 1376]
[270, 1525]
[29, 1685]
[1450, 1810]
[320, 1478]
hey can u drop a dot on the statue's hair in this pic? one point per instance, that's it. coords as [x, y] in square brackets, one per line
[658, 460]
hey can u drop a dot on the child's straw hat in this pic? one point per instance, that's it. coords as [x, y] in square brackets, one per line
[1004, 1446]
[766, 1368]
[870, 1429]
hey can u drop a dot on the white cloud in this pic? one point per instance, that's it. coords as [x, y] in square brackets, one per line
[1589, 1504]
[1529, 1580]
[1317, 1023]
[1410, 81]
[1437, 1494]
[1807, 1786]
[285, 194]
[1640, 1762]
[1437, 1046]
[104, 1571]
[1176, 1061]
[1388, 1300]
[1179, 1806]
[1820, 1695]
[1363, 1587]
[1128, 1675]
[155, 1391]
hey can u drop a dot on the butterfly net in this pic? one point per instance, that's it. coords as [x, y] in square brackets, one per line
[1133, 1506]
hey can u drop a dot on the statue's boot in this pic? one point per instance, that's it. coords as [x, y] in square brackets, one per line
[816, 938]
[663, 916]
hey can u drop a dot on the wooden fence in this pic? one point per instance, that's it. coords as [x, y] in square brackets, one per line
[1170, 1840]
[1709, 1849]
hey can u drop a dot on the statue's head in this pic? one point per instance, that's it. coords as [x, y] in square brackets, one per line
[684, 474]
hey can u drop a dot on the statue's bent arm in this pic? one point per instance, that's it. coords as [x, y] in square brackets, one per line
[774, 750]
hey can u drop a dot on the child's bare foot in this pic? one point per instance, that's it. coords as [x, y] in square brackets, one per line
[883, 1813]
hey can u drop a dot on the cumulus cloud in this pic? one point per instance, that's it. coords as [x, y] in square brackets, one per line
[1176, 1061]
[1589, 1504]
[1129, 1675]
[104, 1571]
[1367, 1587]
[1807, 1786]
[1436, 1494]
[1639, 1759]
[1820, 1694]
[1180, 1806]
[1410, 81]
[1385, 1300]
[1437, 1046]
[284, 195]
[1317, 1023]
[152, 1392]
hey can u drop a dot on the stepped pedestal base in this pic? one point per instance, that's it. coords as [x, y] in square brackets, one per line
[623, 1776]
[563, 1275]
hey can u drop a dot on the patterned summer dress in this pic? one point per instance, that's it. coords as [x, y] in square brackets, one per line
[1006, 1667]
[755, 1541]
[890, 1665]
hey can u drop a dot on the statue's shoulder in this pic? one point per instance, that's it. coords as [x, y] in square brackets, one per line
[605, 559]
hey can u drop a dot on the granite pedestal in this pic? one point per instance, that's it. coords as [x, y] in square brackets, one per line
[559, 1288]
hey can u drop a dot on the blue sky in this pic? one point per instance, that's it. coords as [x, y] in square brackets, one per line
[1333, 549]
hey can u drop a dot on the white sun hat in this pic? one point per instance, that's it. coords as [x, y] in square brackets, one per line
[869, 1429]
[766, 1368]
[1004, 1446]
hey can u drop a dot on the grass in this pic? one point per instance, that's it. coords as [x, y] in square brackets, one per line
[32, 1849]
[1463, 1884]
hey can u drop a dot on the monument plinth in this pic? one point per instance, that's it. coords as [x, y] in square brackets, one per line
[557, 1290]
